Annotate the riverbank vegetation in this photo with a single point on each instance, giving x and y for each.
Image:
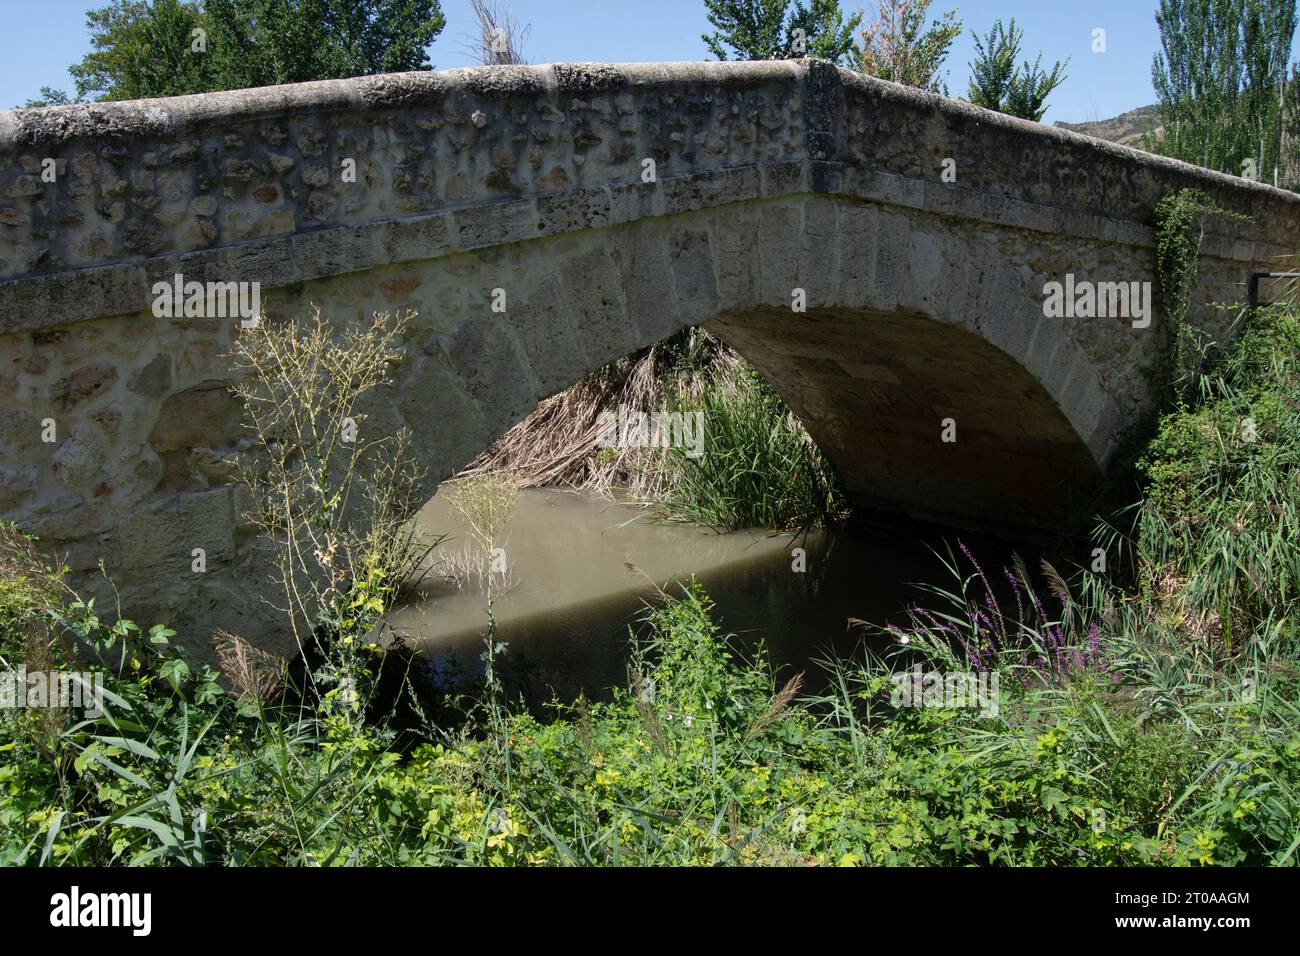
(760, 468)
(755, 465)
(1143, 715)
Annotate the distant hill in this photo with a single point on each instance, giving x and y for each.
(1126, 129)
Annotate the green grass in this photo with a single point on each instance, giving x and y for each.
(1219, 532)
(703, 759)
(759, 467)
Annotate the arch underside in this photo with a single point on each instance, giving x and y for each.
(911, 320)
(874, 392)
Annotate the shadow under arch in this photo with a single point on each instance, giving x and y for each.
(876, 391)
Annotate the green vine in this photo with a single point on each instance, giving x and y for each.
(1180, 226)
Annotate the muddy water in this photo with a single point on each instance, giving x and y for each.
(581, 570)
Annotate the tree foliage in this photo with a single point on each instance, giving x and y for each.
(997, 84)
(780, 30)
(49, 97)
(146, 48)
(141, 49)
(1220, 77)
(896, 47)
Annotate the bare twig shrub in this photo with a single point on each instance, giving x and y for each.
(30, 584)
(500, 37)
(336, 499)
(486, 503)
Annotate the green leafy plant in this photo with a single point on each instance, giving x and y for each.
(1180, 226)
(758, 467)
(336, 500)
(997, 84)
(780, 30)
(895, 46)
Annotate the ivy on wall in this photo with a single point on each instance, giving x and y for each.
(1179, 229)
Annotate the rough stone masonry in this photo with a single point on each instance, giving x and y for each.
(923, 291)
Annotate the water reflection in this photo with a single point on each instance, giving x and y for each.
(581, 570)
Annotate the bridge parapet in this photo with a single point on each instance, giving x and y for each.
(284, 184)
(288, 183)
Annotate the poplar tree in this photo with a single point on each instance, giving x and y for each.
(1220, 76)
(997, 84)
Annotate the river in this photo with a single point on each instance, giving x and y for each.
(580, 569)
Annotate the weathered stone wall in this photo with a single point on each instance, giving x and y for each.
(924, 297)
(203, 182)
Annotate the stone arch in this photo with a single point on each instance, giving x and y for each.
(900, 332)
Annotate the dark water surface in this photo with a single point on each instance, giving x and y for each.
(581, 570)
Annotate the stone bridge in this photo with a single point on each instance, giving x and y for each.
(919, 232)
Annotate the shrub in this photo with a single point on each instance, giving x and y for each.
(759, 467)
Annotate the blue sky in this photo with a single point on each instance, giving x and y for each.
(39, 38)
